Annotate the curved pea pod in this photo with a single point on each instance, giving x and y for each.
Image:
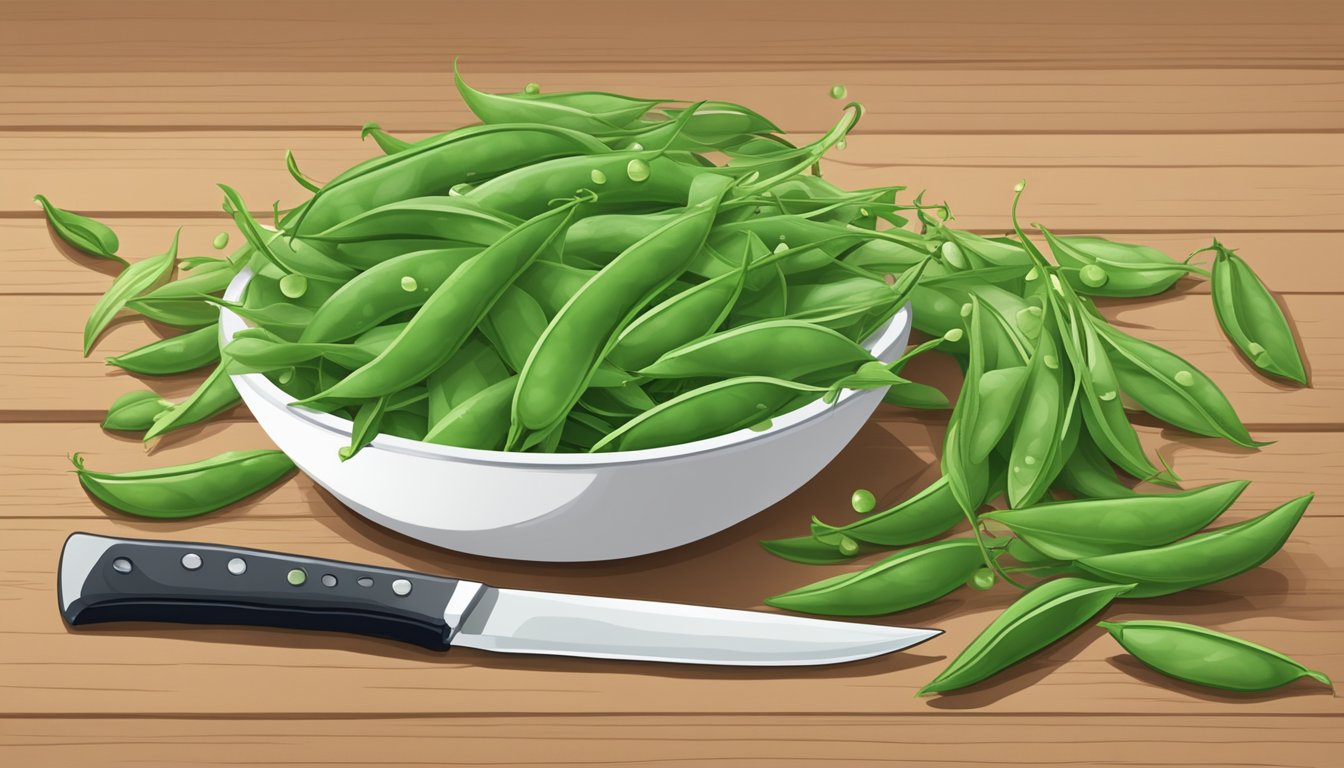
(474, 367)
(714, 409)
(1201, 559)
(214, 395)
(1117, 269)
(1252, 319)
(454, 310)
(175, 354)
(1037, 619)
(366, 425)
(390, 144)
(250, 354)
(553, 284)
(1047, 424)
(787, 349)
(713, 125)
(982, 252)
(1170, 388)
(643, 177)
(897, 583)
(280, 317)
(828, 298)
(133, 281)
(187, 490)
(446, 219)
(1072, 530)
(386, 289)
(134, 411)
(770, 299)
(434, 166)
(480, 421)
(293, 255)
(595, 240)
(810, 550)
(88, 235)
(931, 512)
(885, 256)
(1204, 657)
(588, 111)
(184, 312)
(563, 361)
(1088, 474)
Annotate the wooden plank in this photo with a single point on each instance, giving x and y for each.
(1292, 262)
(1189, 183)
(926, 101)
(1294, 604)
(894, 456)
(523, 36)
(46, 372)
(951, 739)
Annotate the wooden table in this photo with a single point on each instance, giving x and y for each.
(1159, 122)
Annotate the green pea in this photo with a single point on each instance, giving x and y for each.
(88, 235)
(1093, 276)
(838, 91)
(1202, 559)
(1038, 618)
(863, 501)
(811, 550)
(897, 583)
(293, 286)
(532, 89)
(1204, 657)
(982, 579)
(134, 411)
(175, 354)
(221, 241)
(1252, 319)
(187, 490)
(1071, 530)
(952, 255)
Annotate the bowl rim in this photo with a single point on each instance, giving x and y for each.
(882, 344)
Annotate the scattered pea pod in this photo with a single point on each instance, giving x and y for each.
(1251, 317)
(187, 490)
(175, 354)
(88, 235)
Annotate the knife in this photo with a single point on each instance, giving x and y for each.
(105, 579)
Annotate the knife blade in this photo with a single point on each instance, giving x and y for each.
(107, 579)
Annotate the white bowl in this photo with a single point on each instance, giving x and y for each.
(563, 507)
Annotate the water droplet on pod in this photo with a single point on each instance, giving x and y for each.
(1107, 395)
(1185, 378)
(408, 284)
(293, 286)
(637, 170)
(1093, 276)
(532, 89)
(598, 176)
(954, 335)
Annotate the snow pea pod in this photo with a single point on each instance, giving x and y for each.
(447, 219)
(291, 254)
(133, 281)
(595, 240)
(587, 111)
(187, 490)
(214, 395)
(471, 369)
(902, 581)
(434, 166)
(1037, 619)
(514, 325)
(1088, 474)
(786, 349)
(1100, 267)
(364, 427)
(251, 354)
(1204, 657)
(175, 354)
(1046, 422)
(88, 235)
(564, 359)
(931, 512)
(134, 411)
(1168, 387)
(552, 284)
(480, 421)
(454, 310)
(643, 177)
(392, 287)
(180, 312)
(1202, 559)
(1071, 530)
(1252, 319)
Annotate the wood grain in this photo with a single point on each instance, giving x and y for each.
(951, 739)
(897, 101)
(1207, 183)
(252, 35)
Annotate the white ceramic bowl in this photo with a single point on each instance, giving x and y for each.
(563, 507)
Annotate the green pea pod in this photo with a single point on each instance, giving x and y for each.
(906, 579)
(281, 316)
(787, 349)
(254, 355)
(291, 254)
(454, 310)
(404, 424)
(811, 550)
(1252, 319)
(514, 325)
(714, 409)
(931, 512)
(1202, 559)
(480, 421)
(588, 111)
(133, 281)
(384, 290)
(552, 285)
(582, 430)
(445, 219)
(184, 312)
(434, 166)
(292, 166)
(1046, 420)
(596, 240)
(1100, 267)
(585, 329)
(982, 252)
(134, 411)
(1204, 657)
(367, 424)
(473, 368)
(1170, 388)
(1038, 618)
(1088, 474)
(175, 354)
(214, 395)
(912, 394)
(1072, 530)
(210, 277)
(390, 144)
(92, 237)
(629, 177)
(187, 490)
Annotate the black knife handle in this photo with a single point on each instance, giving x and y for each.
(111, 579)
